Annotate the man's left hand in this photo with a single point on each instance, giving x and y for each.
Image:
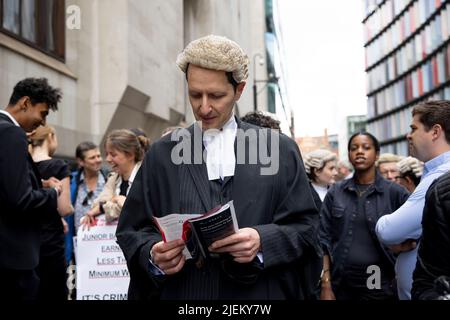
(405, 246)
(52, 182)
(120, 200)
(243, 245)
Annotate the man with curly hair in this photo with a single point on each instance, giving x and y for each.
(23, 200)
(260, 119)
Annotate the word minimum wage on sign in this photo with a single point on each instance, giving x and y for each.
(102, 272)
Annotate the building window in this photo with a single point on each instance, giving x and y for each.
(271, 97)
(38, 23)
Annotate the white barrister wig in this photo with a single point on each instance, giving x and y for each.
(318, 159)
(410, 164)
(216, 53)
(387, 158)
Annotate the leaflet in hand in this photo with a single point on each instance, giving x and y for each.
(199, 231)
(171, 227)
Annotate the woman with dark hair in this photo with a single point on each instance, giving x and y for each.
(356, 266)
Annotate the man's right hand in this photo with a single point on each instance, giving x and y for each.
(168, 256)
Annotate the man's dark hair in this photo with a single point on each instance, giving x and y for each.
(376, 144)
(38, 90)
(83, 147)
(412, 176)
(229, 77)
(262, 120)
(232, 81)
(434, 112)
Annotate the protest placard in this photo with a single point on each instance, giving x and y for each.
(102, 272)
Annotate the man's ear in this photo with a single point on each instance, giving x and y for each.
(409, 180)
(436, 131)
(23, 103)
(239, 89)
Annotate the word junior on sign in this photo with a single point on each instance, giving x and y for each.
(99, 237)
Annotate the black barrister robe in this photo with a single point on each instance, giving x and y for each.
(23, 202)
(280, 207)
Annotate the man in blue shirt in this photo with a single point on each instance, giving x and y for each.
(429, 141)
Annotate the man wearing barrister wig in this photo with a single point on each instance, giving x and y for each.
(278, 221)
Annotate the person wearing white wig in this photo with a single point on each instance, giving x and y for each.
(387, 165)
(320, 166)
(269, 256)
(410, 171)
(345, 170)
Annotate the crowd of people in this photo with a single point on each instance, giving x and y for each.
(373, 227)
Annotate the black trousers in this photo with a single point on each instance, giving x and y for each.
(18, 285)
(53, 277)
(353, 286)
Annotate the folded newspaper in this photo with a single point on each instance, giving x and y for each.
(199, 231)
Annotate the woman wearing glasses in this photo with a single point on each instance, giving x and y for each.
(52, 264)
(125, 150)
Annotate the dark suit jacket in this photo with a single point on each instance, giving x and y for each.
(22, 200)
(280, 207)
(433, 258)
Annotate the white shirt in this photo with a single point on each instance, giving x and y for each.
(220, 162)
(10, 116)
(321, 191)
(220, 155)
